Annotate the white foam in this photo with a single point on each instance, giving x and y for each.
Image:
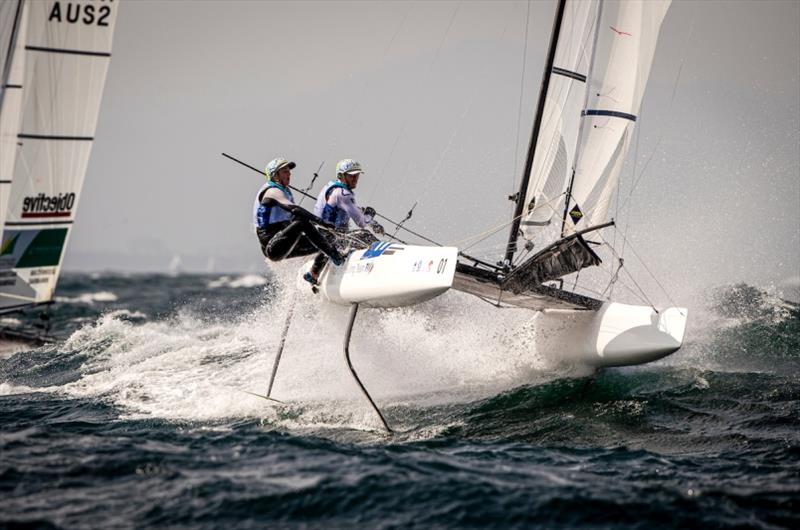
(248, 280)
(447, 350)
(7, 389)
(89, 298)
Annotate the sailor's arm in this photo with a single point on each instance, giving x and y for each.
(274, 197)
(277, 195)
(348, 203)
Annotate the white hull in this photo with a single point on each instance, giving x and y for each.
(394, 275)
(615, 335)
(389, 275)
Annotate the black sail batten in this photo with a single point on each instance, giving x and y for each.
(609, 113)
(68, 51)
(569, 73)
(526, 176)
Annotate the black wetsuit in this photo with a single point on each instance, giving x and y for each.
(294, 239)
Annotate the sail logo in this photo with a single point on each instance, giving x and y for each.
(74, 12)
(48, 206)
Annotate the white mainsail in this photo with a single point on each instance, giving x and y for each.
(558, 136)
(13, 25)
(627, 36)
(67, 53)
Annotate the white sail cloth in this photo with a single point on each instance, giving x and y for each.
(67, 52)
(626, 42)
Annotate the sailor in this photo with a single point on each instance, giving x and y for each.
(336, 204)
(284, 229)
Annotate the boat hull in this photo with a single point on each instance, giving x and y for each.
(615, 335)
(389, 275)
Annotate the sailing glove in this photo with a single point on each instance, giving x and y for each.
(377, 228)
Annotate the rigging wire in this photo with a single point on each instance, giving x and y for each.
(491, 231)
(422, 84)
(668, 113)
(434, 175)
(361, 99)
(638, 178)
(521, 92)
(614, 252)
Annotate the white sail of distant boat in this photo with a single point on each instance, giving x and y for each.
(67, 50)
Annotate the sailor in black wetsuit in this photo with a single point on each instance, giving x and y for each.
(284, 229)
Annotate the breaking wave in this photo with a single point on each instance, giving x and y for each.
(200, 362)
(746, 328)
(246, 281)
(88, 298)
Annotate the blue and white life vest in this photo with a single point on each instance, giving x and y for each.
(328, 213)
(266, 215)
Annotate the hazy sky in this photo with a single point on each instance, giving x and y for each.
(427, 96)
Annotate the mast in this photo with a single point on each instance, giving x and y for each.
(10, 54)
(526, 176)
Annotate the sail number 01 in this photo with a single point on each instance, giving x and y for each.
(442, 266)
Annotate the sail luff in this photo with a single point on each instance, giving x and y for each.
(521, 195)
(557, 140)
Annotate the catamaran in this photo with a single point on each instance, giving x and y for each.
(596, 70)
(595, 74)
(54, 57)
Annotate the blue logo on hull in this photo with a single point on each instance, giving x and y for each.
(379, 248)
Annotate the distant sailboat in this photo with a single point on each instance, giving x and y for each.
(55, 59)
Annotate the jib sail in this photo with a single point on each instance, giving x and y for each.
(67, 53)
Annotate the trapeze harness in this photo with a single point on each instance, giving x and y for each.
(264, 215)
(335, 215)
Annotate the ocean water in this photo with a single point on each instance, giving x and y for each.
(140, 415)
